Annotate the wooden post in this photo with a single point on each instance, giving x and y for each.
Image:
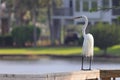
(109, 74)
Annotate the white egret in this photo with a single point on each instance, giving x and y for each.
(88, 43)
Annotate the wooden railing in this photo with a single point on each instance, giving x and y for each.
(78, 75)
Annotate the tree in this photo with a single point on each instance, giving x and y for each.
(20, 8)
(24, 34)
(105, 35)
(4, 18)
(53, 30)
(115, 8)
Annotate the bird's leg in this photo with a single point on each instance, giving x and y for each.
(82, 62)
(90, 63)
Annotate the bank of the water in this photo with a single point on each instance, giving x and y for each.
(61, 57)
(60, 51)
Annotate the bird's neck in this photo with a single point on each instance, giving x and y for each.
(85, 26)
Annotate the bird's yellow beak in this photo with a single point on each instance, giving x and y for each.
(77, 17)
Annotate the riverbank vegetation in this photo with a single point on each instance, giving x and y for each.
(60, 51)
(105, 36)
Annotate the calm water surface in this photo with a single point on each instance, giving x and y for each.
(47, 65)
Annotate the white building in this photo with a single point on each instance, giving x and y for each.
(73, 8)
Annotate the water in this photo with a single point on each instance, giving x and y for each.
(48, 65)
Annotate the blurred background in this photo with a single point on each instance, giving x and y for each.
(42, 32)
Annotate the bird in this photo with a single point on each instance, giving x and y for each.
(88, 43)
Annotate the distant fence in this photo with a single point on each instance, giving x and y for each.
(79, 75)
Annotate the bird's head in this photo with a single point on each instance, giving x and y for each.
(77, 17)
(85, 19)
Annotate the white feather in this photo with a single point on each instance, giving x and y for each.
(88, 46)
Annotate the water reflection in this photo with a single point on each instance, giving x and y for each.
(47, 65)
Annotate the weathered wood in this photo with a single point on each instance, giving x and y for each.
(109, 73)
(92, 79)
(106, 78)
(82, 75)
(79, 75)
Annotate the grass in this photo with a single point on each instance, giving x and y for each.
(41, 50)
(115, 50)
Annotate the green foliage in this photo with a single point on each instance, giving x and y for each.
(6, 41)
(23, 34)
(118, 18)
(105, 35)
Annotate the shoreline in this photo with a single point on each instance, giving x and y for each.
(62, 57)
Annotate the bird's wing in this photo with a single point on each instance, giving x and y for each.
(88, 45)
